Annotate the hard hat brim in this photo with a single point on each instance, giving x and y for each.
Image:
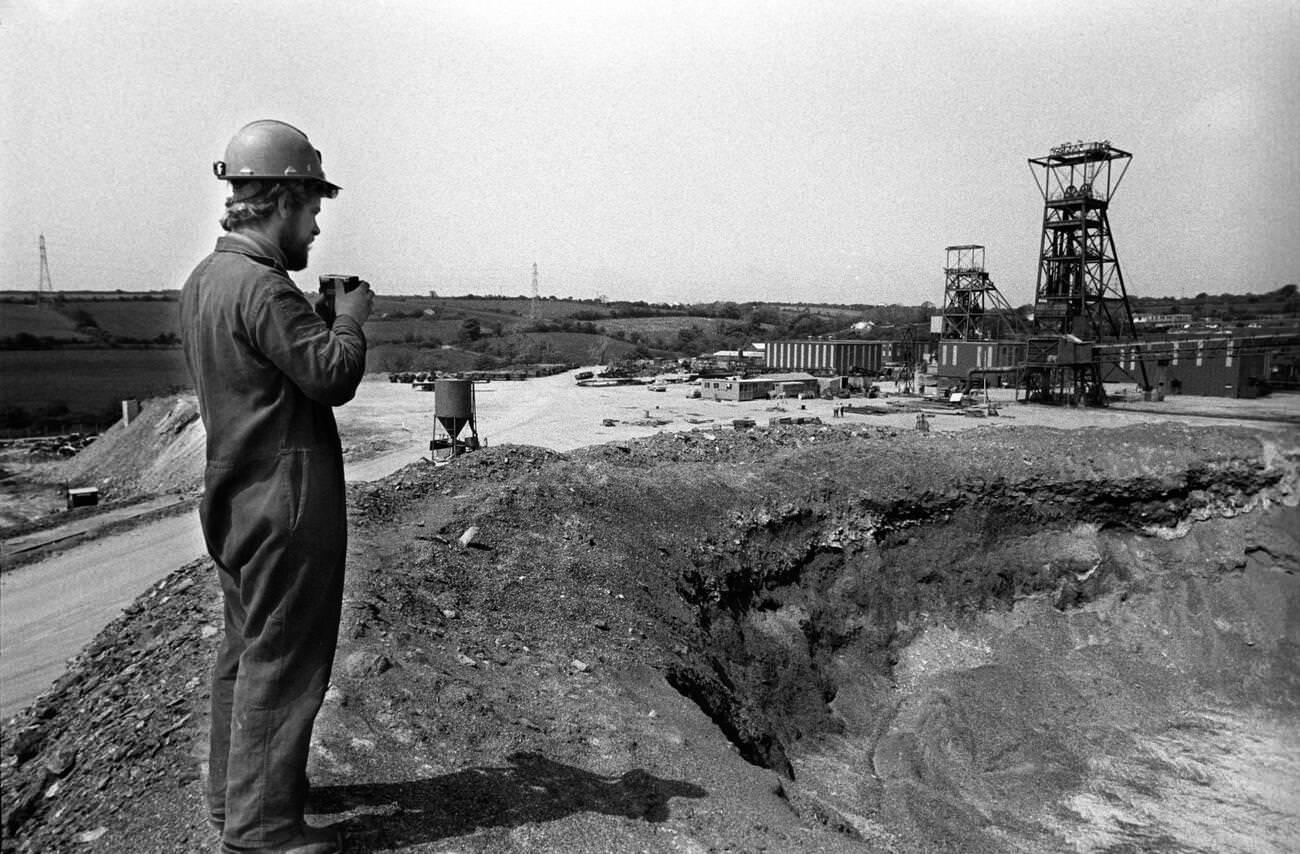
(238, 183)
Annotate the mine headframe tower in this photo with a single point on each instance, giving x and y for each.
(973, 307)
(1080, 294)
(1080, 289)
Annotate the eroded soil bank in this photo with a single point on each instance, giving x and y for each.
(798, 639)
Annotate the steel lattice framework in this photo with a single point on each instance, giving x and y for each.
(44, 286)
(973, 307)
(1080, 289)
(532, 304)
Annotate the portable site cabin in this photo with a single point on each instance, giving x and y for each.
(758, 388)
(81, 496)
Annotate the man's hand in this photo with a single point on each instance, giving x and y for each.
(355, 303)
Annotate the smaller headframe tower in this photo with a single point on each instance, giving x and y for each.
(973, 307)
(1080, 289)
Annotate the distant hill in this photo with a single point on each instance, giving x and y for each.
(120, 344)
(432, 332)
(1230, 307)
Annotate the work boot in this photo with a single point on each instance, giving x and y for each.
(310, 840)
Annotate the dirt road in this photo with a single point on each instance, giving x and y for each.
(50, 609)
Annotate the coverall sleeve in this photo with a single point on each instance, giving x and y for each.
(327, 364)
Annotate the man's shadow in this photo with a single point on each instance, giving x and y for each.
(530, 789)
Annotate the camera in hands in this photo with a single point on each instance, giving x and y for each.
(329, 286)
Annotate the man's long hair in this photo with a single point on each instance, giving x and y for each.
(253, 201)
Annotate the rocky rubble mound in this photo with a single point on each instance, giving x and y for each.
(799, 638)
(160, 450)
(120, 724)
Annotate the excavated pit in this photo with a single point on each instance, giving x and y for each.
(1003, 663)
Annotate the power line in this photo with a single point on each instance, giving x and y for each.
(44, 286)
(532, 306)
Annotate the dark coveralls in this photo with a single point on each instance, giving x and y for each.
(268, 371)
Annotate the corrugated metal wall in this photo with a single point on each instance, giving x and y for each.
(827, 357)
(1206, 366)
(957, 358)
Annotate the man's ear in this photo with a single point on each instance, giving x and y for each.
(284, 206)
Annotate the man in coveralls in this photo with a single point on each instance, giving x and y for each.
(268, 370)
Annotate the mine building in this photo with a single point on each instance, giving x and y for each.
(831, 357)
(1154, 322)
(1211, 365)
(790, 385)
(957, 362)
(729, 361)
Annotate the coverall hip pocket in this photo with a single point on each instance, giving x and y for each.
(295, 473)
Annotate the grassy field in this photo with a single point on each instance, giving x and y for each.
(404, 333)
(410, 330)
(531, 347)
(657, 327)
(141, 320)
(87, 381)
(42, 322)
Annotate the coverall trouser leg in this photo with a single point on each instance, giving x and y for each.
(283, 589)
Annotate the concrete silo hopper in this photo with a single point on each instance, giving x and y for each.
(453, 411)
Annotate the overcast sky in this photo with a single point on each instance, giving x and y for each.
(663, 151)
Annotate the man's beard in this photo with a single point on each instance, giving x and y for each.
(295, 253)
